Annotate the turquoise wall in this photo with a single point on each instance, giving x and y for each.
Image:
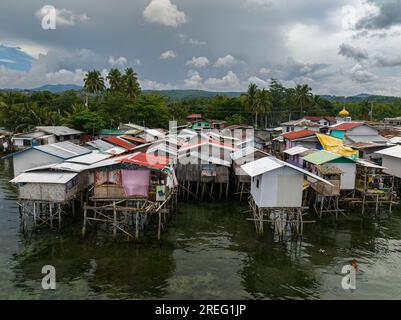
(337, 134)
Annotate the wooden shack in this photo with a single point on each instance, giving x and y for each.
(203, 169)
(345, 164)
(140, 184)
(242, 181)
(276, 192)
(374, 187)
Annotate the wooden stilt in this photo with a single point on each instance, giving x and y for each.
(114, 220)
(84, 223)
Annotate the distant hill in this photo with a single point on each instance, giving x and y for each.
(183, 94)
(57, 88)
(361, 97)
(187, 94)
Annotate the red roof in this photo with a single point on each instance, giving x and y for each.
(344, 126)
(133, 139)
(298, 134)
(147, 160)
(194, 116)
(120, 142)
(317, 118)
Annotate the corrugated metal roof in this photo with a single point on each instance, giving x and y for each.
(63, 150)
(115, 151)
(206, 158)
(59, 130)
(44, 177)
(120, 142)
(163, 147)
(154, 132)
(271, 163)
(135, 140)
(245, 152)
(109, 162)
(298, 134)
(392, 152)
(369, 164)
(64, 166)
(321, 157)
(296, 150)
(147, 160)
(90, 158)
(366, 138)
(100, 144)
(344, 126)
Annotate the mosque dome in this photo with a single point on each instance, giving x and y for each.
(343, 113)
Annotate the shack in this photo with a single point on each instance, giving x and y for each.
(391, 160)
(139, 184)
(242, 181)
(43, 155)
(203, 169)
(345, 164)
(276, 191)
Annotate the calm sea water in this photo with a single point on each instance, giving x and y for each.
(210, 251)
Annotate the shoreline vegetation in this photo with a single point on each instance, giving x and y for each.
(105, 102)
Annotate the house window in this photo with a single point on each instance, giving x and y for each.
(257, 183)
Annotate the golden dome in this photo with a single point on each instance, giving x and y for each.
(343, 113)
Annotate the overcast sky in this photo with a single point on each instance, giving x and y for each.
(341, 47)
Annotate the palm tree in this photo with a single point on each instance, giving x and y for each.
(93, 83)
(115, 80)
(251, 101)
(303, 96)
(131, 85)
(264, 103)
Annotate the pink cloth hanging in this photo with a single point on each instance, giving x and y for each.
(135, 182)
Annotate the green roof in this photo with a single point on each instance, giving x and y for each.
(112, 132)
(322, 156)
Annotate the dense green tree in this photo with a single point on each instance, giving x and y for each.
(303, 97)
(251, 102)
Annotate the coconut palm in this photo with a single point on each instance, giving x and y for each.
(264, 103)
(251, 101)
(303, 96)
(115, 80)
(93, 83)
(131, 85)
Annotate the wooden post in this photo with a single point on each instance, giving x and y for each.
(34, 214)
(114, 220)
(159, 227)
(220, 190)
(137, 226)
(227, 187)
(211, 191)
(203, 190)
(51, 215)
(242, 190)
(84, 223)
(59, 216)
(197, 188)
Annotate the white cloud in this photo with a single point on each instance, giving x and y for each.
(154, 85)
(120, 62)
(259, 82)
(264, 71)
(169, 54)
(359, 74)
(64, 17)
(227, 83)
(165, 13)
(198, 62)
(226, 61)
(194, 80)
(185, 39)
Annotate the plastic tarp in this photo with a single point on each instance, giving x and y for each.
(135, 182)
(335, 145)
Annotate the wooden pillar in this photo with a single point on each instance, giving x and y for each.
(34, 214)
(59, 216)
(114, 220)
(137, 226)
(227, 187)
(220, 190)
(51, 215)
(84, 223)
(197, 188)
(242, 190)
(211, 191)
(159, 227)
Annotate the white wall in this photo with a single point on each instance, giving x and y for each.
(278, 188)
(32, 158)
(393, 165)
(348, 176)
